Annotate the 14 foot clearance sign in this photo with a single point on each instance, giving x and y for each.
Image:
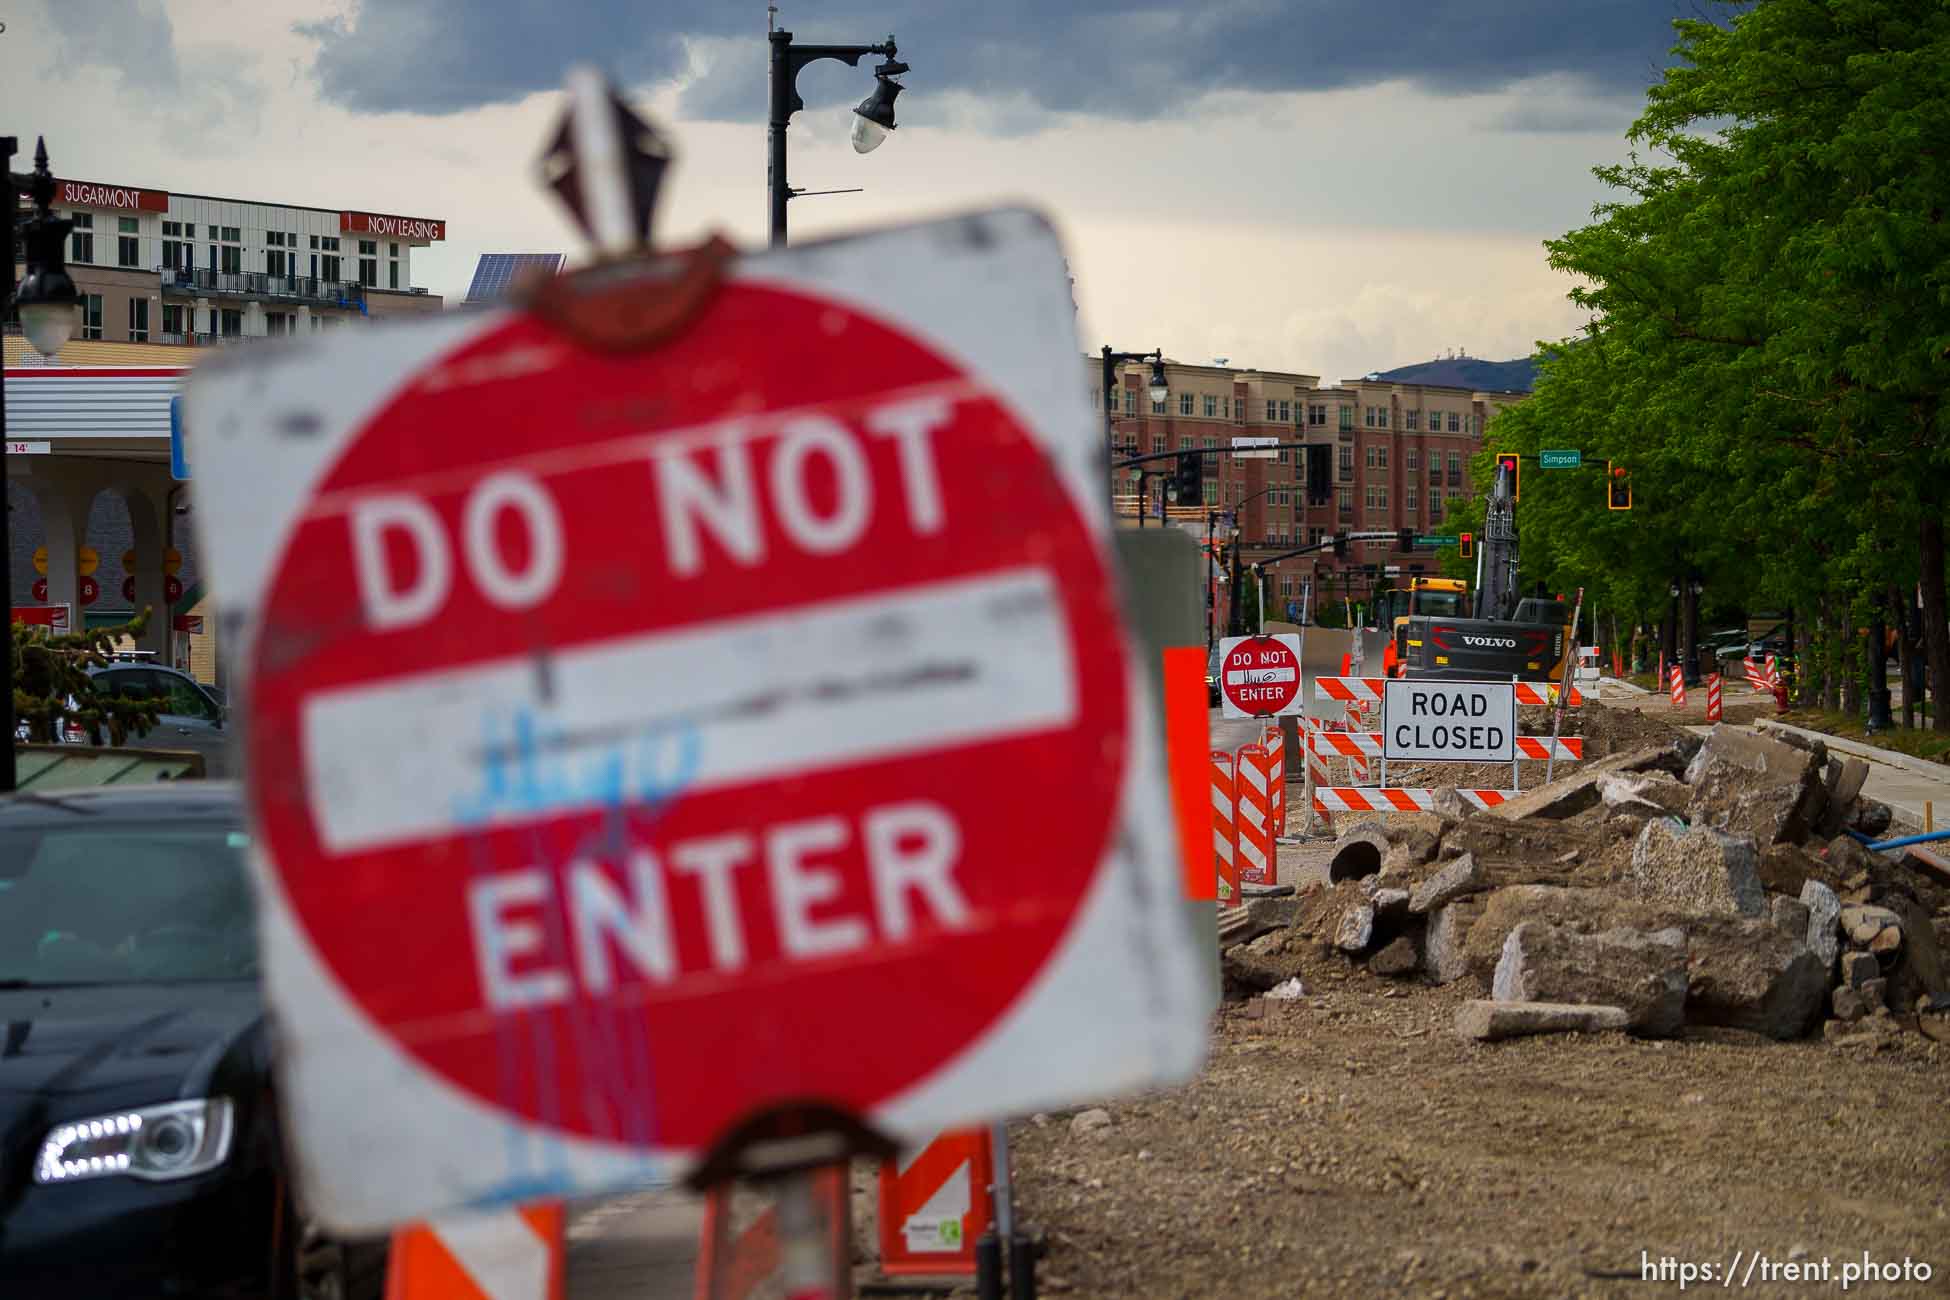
(1455, 722)
(640, 741)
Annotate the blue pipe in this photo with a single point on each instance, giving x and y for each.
(1904, 842)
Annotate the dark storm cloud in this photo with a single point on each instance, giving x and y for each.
(1116, 59)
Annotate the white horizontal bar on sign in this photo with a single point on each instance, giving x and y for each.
(1257, 676)
(646, 718)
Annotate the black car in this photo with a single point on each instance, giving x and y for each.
(139, 1144)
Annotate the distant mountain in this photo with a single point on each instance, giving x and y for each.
(1468, 372)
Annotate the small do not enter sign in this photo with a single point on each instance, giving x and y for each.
(1259, 676)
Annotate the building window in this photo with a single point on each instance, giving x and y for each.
(128, 245)
(1225, 407)
(1367, 417)
(368, 248)
(1317, 414)
(392, 277)
(329, 269)
(91, 315)
(1184, 403)
(1411, 420)
(1347, 501)
(369, 275)
(1412, 457)
(1455, 462)
(1381, 417)
(1347, 459)
(173, 319)
(1286, 412)
(1157, 442)
(1210, 406)
(1409, 499)
(1347, 419)
(233, 260)
(274, 323)
(1435, 504)
(274, 263)
(81, 241)
(1381, 454)
(233, 235)
(138, 320)
(175, 256)
(173, 228)
(1371, 451)
(1130, 402)
(1455, 425)
(233, 323)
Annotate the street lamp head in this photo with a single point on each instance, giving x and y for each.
(874, 117)
(46, 298)
(1160, 389)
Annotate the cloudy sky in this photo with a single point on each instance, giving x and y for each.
(1328, 186)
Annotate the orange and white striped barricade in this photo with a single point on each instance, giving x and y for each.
(1253, 817)
(1713, 697)
(1546, 693)
(935, 1204)
(501, 1255)
(742, 1263)
(1274, 743)
(1777, 684)
(1677, 677)
(1389, 798)
(1317, 774)
(1225, 827)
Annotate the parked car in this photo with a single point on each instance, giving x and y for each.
(139, 1139)
(189, 717)
(1212, 680)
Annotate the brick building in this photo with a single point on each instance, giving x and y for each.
(153, 266)
(1399, 455)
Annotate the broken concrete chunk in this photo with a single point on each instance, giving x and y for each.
(1846, 1003)
(1863, 922)
(1462, 876)
(1789, 915)
(1921, 973)
(1756, 785)
(1554, 802)
(1871, 816)
(1585, 910)
(1443, 955)
(1824, 910)
(1356, 930)
(1397, 958)
(1886, 943)
(1875, 994)
(1858, 968)
(1643, 973)
(1487, 1021)
(1390, 902)
(1091, 1121)
(1745, 974)
(1844, 786)
(1698, 870)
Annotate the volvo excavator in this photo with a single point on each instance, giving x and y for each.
(1511, 635)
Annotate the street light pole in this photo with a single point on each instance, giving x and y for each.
(875, 114)
(1160, 390)
(46, 300)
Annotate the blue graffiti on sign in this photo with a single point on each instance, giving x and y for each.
(529, 768)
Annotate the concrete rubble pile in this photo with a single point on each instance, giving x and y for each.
(1696, 882)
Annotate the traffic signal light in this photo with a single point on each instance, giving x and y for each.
(1188, 479)
(1340, 546)
(1466, 545)
(1512, 462)
(1404, 540)
(1619, 487)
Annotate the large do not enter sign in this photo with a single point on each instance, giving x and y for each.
(1259, 676)
(686, 715)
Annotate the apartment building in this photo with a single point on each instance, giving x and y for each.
(1398, 452)
(156, 266)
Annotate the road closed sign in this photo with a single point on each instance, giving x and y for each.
(640, 740)
(1259, 676)
(1449, 722)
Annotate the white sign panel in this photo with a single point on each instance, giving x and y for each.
(1243, 443)
(1449, 722)
(29, 448)
(685, 721)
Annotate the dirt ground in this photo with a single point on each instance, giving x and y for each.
(1349, 1144)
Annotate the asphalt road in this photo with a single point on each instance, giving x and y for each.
(634, 1246)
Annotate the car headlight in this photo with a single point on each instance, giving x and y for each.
(154, 1142)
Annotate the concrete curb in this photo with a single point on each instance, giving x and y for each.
(1840, 744)
(1622, 685)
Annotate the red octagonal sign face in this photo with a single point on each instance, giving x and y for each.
(1260, 675)
(700, 731)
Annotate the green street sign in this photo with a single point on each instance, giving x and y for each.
(1423, 541)
(1567, 458)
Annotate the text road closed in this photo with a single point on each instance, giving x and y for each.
(1457, 722)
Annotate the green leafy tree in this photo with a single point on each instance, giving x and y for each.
(52, 689)
(1769, 348)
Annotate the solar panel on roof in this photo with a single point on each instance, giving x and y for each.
(496, 272)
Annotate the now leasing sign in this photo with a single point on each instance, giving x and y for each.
(641, 741)
(1449, 722)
